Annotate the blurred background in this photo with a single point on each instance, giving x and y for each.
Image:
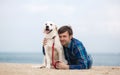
(95, 23)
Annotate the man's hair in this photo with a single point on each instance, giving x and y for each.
(64, 29)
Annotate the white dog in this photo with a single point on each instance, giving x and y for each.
(52, 36)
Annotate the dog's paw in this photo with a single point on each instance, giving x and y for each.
(42, 67)
(48, 67)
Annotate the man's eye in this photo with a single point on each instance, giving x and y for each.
(64, 36)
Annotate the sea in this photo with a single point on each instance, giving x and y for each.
(99, 59)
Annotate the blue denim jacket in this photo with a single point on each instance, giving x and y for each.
(76, 55)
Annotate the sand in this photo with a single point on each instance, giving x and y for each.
(27, 69)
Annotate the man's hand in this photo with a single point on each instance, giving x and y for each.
(44, 41)
(62, 65)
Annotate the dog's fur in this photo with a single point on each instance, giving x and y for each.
(51, 35)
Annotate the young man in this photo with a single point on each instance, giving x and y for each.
(75, 52)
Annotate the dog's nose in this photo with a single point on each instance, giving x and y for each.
(47, 27)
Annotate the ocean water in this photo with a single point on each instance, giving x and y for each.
(106, 59)
(37, 58)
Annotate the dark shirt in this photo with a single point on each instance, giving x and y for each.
(76, 55)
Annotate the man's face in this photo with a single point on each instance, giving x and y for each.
(65, 38)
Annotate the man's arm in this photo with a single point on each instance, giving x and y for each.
(81, 57)
(80, 62)
(79, 66)
(62, 65)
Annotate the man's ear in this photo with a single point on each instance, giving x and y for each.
(71, 36)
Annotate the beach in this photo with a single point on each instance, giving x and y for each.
(28, 69)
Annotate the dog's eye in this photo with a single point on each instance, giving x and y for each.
(46, 24)
(51, 24)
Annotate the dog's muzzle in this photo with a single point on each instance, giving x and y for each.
(47, 29)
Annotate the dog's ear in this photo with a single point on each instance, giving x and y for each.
(56, 28)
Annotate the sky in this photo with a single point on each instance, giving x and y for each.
(96, 23)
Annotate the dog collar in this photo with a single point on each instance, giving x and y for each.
(51, 38)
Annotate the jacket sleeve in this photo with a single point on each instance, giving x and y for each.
(78, 66)
(43, 49)
(81, 57)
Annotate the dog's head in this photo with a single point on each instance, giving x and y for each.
(50, 27)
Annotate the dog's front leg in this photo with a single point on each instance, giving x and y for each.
(47, 57)
(44, 62)
(48, 61)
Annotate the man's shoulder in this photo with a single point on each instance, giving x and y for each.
(76, 40)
